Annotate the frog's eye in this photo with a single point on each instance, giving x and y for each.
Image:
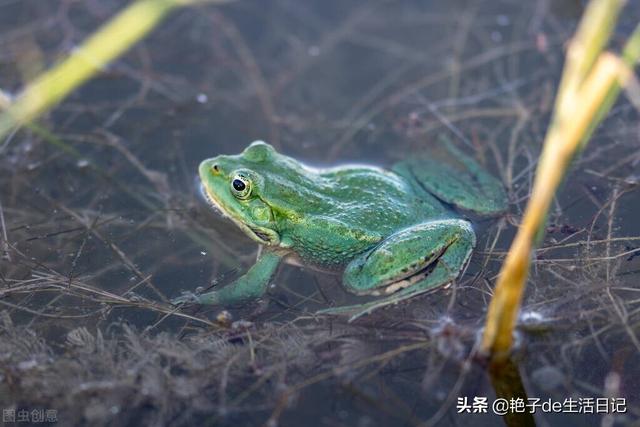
(241, 186)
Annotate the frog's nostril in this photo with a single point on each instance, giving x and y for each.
(215, 168)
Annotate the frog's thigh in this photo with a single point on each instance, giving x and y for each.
(437, 249)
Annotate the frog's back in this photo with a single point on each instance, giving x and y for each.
(361, 206)
(380, 199)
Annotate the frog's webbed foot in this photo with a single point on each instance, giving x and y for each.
(188, 297)
(354, 311)
(431, 284)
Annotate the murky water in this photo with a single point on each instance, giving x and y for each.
(102, 221)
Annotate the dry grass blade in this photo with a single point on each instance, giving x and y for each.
(106, 44)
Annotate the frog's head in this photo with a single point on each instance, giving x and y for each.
(235, 185)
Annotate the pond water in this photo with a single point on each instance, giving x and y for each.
(101, 220)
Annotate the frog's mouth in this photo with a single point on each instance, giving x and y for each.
(262, 235)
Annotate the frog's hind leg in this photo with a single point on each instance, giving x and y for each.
(456, 179)
(431, 283)
(411, 262)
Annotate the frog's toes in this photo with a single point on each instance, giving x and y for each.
(352, 311)
(187, 297)
(334, 311)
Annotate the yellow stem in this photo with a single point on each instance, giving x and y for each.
(561, 143)
(93, 55)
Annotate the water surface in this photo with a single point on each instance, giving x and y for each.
(102, 220)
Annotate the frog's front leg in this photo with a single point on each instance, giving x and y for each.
(253, 284)
(410, 262)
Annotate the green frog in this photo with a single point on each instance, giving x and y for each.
(392, 233)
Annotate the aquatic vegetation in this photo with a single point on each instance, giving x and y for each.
(590, 84)
(101, 221)
(85, 61)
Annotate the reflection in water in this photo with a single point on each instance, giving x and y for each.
(506, 381)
